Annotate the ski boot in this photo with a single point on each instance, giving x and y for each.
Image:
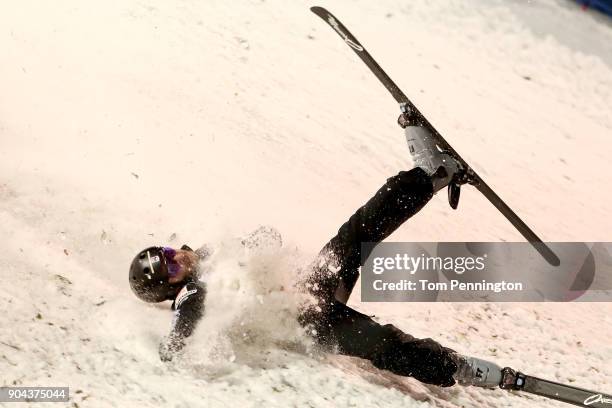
(439, 164)
(477, 372)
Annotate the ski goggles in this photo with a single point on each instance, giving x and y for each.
(173, 266)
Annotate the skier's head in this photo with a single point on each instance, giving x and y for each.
(156, 273)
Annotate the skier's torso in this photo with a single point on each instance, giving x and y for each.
(188, 305)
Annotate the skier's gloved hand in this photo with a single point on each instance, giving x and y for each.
(169, 347)
(164, 352)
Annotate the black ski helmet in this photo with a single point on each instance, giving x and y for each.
(149, 277)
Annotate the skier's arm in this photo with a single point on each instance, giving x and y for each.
(189, 309)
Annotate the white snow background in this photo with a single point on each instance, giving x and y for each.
(130, 123)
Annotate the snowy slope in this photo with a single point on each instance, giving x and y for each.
(123, 123)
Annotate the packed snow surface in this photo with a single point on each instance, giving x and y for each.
(130, 123)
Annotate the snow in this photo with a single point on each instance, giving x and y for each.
(129, 123)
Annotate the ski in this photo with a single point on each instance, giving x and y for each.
(517, 381)
(407, 106)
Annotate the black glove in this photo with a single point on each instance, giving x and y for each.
(169, 347)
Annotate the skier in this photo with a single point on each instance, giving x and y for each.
(161, 273)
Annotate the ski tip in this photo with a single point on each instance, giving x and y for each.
(318, 10)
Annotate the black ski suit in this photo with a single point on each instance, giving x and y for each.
(331, 281)
(335, 274)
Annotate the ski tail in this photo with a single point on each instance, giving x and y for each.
(516, 221)
(518, 381)
(407, 106)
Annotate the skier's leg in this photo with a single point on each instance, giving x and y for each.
(386, 346)
(337, 268)
(355, 334)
